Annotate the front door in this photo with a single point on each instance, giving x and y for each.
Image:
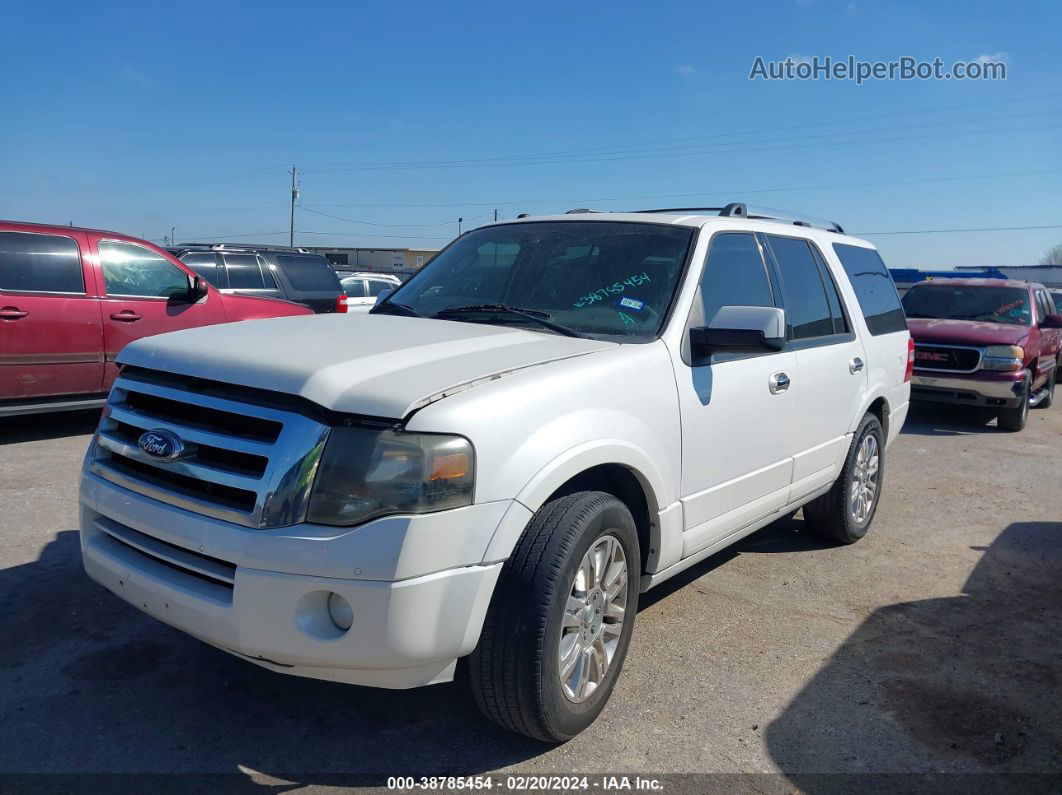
(738, 411)
(51, 339)
(139, 285)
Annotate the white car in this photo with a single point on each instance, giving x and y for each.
(362, 289)
(553, 416)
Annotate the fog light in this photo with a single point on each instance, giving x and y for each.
(340, 611)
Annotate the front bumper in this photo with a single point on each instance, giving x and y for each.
(995, 390)
(214, 580)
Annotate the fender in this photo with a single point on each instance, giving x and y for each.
(875, 392)
(566, 466)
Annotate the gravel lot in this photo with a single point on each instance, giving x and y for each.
(934, 645)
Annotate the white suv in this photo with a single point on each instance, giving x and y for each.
(553, 416)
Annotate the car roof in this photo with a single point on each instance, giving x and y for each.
(699, 218)
(65, 228)
(973, 282)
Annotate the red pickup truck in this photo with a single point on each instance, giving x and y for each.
(70, 300)
(985, 342)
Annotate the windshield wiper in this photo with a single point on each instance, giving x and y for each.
(403, 309)
(542, 318)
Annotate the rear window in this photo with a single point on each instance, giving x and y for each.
(309, 274)
(40, 263)
(873, 287)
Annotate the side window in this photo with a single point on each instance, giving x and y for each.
(807, 310)
(244, 271)
(377, 286)
(129, 269)
(354, 288)
(204, 264)
(1042, 304)
(873, 287)
(840, 324)
(40, 263)
(734, 275)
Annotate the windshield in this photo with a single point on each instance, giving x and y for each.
(594, 278)
(990, 304)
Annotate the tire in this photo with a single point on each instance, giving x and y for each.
(1050, 387)
(832, 517)
(515, 670)
(1014, 419)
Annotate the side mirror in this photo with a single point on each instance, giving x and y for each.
(382, 295)
(741, 329)
(197, 288)
(1051, 321)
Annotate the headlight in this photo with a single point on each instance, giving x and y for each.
(1003, 357)
(366, 473)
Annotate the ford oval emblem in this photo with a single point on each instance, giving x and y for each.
(161, 444)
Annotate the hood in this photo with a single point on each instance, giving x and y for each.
(965, 332)
(376, 365)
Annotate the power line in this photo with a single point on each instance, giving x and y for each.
(948, 231)
(720, 192)
(785, 128)
(373, 223)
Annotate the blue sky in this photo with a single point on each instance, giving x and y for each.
(142, 116)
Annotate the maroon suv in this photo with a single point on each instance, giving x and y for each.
(985, 342)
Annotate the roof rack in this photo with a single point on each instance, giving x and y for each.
(741, 210)
(240, 247)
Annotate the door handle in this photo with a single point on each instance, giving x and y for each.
(12, 313)
(855, 365)
(778, 383)
(126, 316)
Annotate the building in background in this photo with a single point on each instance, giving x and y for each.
(403, 261)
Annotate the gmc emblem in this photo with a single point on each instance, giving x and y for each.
(930, 356)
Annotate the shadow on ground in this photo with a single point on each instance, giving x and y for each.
(36, 427)
(971, 683)
(942, 419)
(88, 683)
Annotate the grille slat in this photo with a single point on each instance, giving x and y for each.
(247, 463)
(947, 358)
(218, 570)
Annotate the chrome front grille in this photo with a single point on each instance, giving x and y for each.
(947, 358)
(243, 461)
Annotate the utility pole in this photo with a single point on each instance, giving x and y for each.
(495, 215)
(294, 196)
(459, 220)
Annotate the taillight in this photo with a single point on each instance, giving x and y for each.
(910, 359)
(341, 303)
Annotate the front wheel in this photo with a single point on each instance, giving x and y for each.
(1014, 419)
(561, 619)
(844, 513)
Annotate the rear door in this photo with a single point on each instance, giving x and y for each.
(830, 361)
(312, 280)
(139, 286)
(357, 293)
(51, 337)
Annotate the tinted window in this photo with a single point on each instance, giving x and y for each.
(309, 273)
(601, 277)
(204, 264)
(734, 275)
(377, 286)
(129, 269)
(244, 272)
(840, 325)
(40, 263)
(807, 312)
(941, 300)
(873, 287)
(354, 288)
